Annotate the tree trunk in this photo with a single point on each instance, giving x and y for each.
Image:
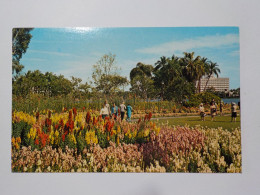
(207, 82)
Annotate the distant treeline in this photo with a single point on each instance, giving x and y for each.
(171, 78)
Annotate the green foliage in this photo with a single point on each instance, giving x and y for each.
(81, 144)
(205, 97)
(20, 128)
(194, 121)
(102, 138)
(106, 77)
(211, 69)
(192, 67)
(170, 81)
(20, 41)
(47, 84)
(193, 166)
(68, 142)
(141, 80)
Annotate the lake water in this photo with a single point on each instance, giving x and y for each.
(229, 100)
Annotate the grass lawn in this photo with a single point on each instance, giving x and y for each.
(220, 121)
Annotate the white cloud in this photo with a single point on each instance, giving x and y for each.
(52, 53)
(81, 69)
(81, 29)
(36, 59)
(187, 44)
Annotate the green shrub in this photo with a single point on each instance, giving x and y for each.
(205, 97)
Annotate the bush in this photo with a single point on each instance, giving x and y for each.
(205, 97)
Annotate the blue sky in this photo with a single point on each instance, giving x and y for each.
(73, 51)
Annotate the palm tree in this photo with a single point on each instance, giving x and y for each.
(193, 67)
(160, 63)
(166, 71)
(203, 71)
(212, 69)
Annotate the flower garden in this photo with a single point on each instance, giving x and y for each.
(73, 141)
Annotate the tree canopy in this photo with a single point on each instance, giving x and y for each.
(20, 42)
(106, 77)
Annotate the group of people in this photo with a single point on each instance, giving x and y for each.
(213, 110)
(115, 111)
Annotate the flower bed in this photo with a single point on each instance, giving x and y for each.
(84, 142)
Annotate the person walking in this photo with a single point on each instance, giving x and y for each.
(202, 112)
(129, 110)
(221, 108)
(122, 110)
(104, 111)
(108, 107)
(114, 111)
(233, 112)
(213, 110)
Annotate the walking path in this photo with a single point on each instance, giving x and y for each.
(171, 117)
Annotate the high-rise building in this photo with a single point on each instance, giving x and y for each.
(219, 84)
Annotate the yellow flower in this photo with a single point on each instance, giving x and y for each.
(13, 140)
(118, 129)
(91, 138)
(146, 132)
(18, 139)
(117, 140)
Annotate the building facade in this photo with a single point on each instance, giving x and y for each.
(219, 84)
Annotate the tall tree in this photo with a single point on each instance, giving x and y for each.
(212, 69)
(106, 77)
(20, 41)
(160, 80)
(192, 66)
(203, 72)
(141, 80)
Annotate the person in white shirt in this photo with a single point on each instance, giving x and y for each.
(202, 112)
(122, 110)
(108, 107)
(104, 111)
(234, 112)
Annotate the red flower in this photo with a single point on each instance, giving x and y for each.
(94, 120)
(49, 114)
(139, 120)
(108, 126)
(44, 138)
(63, 137)
(70, 115)
(36, 142)
(145, 117)
(88, 118)
(69, 126)
(74, 112)
(149, 116)
(61, 123)
(48, 123)
(57, 126)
